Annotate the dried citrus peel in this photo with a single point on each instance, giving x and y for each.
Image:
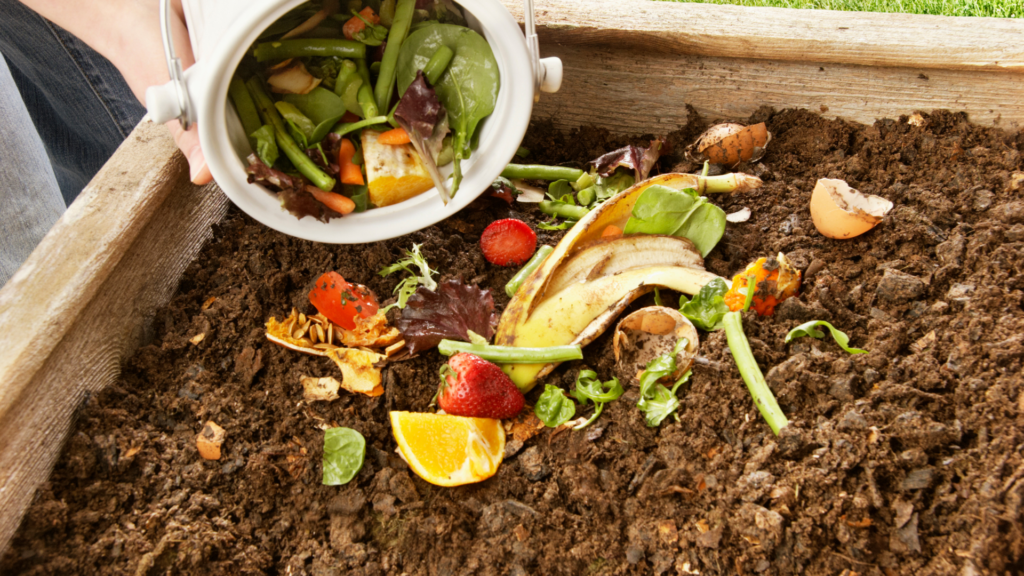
(775, 279)
(360, 370)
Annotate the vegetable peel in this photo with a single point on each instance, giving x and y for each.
(774, 280)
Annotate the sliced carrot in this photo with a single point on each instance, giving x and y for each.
(355, 25)
(611, 231)
(332, 200)
(350, 172)
(394, 137)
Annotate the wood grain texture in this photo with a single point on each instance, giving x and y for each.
(632, 66)
(631, 92)
(82, 300)
(864, 38)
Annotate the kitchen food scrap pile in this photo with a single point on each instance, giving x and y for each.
(904, 459)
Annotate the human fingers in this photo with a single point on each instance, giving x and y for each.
(188, 143)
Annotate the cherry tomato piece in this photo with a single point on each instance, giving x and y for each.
(342, 301)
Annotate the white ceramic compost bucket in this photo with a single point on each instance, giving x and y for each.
(222, 32)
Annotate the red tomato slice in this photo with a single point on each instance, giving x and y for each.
(342, 301)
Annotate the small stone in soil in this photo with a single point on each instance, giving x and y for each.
(852, 421)
(897, 287)
(532, 464)
(919, 479)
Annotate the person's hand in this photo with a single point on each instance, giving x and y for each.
(127, 32)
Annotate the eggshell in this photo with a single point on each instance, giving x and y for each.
(209, 440)
(731, 143)
(840, 212)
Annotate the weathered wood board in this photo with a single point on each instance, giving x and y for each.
(78, 307)
(81, 303)
(634, 66)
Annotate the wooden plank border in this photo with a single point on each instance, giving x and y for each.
(79, 305)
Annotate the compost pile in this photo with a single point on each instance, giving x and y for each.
(907, 459)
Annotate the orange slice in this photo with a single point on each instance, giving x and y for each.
(449, 450)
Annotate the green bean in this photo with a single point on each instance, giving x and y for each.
(513, 354)
(343, 129)
(366, 103)
(346, 74)
(438, 64)
(297, 48)
(537, 172)
(538, 258)
(245, 107)
(388, 67)
(284, 140)
(563, 210)
(587, 196)
(347, 86)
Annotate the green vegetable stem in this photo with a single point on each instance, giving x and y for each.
(344, 452)
(343, 129)
(437, 64)
(404, 10)
(553, 408)
(364, 96)
(245, 108)
(347, 85)
(751, 373)
(512, 354)
(284, 141)
(538, 172)
(589, 387)
(301, 47)
(563, 210)
(538, 258)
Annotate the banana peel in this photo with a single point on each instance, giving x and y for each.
(581, 312)
(567, 300)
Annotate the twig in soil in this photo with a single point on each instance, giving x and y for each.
(848, 559)
(676, 490)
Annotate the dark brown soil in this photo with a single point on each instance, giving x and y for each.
(907, 460)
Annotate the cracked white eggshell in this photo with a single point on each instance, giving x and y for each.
(841, 212)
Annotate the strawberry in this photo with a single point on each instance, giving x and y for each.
(508, 242)
(472, 386)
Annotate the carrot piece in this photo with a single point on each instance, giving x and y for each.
(350, 172)
(611, 231)
(394, 137)
(355, 25)
(332, 200)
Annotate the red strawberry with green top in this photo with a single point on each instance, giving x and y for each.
(508, 242)
(472, 386)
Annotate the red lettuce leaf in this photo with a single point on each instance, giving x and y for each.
(291, 190)
(449, 312)
(423, 117)
(641, 160)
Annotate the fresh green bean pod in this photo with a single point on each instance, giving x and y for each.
(343, 129)
(586, 196)
(298, 157)
(389, 64)
(301, 47)
(562, 210)
(245, 108)
(538, 258)
(437, 64)
(538, 172)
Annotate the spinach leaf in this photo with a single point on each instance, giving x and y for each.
(300, 127)
(320, 106)
(589, 387)
(468, 89)
(266, 144)
(808, 329)
(553, 408)
(344, 450)
(662, 210)
(707, 309)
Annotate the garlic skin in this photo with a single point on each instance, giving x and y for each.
(841, 212)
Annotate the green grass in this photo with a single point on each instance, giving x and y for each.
(992, 8)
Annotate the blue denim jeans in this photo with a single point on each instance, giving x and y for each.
(68, 113)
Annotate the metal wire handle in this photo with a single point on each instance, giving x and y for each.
(174, 66)
(533, 47)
